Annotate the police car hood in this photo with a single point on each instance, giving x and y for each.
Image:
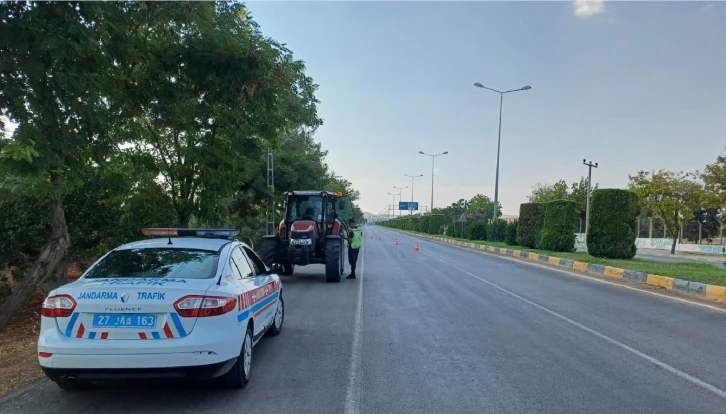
(145, 304)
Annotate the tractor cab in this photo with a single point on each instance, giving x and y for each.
(314, 230)
(327, 212)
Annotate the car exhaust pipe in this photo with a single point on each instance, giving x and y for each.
(72, 380)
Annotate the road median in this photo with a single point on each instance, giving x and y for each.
(672, 284)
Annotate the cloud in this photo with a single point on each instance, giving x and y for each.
(588, 7)
(708, 6)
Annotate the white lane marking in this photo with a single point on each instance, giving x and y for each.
(588, 277)
(352, 393)
(693, 380)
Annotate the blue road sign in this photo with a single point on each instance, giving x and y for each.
(408, 205)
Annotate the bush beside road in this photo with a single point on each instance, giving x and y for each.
(691, 271)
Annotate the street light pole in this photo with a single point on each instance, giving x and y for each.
(590, 166)
(433, 157)
(400, 190)
(499, 139)
(393, 206)
(412, 179)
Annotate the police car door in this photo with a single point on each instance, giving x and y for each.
(249, 290)
(267, 286)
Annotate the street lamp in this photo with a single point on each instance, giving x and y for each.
(393, 206)
(433, 157)
(400, 189)
(412, 178)
(499, 138)
(590, 165)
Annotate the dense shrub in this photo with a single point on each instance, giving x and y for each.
(478, 230)
(450, 230)
(435, 223)
(423, 223)
(460, 231)
(613, 226)
(497, 230)
(510, 235)
(415, 223)
(557, 234)
(530, 224)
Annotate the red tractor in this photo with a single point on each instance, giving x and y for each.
(314, 230)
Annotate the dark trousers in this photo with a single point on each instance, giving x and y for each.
(352, 258)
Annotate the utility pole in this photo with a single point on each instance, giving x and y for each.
(271, 188)
(590, 166)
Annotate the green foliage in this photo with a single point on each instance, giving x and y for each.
(415, 223)
(149, 115)
(478, 230)
(510, 235)
(671, 197)
(435, 223)
(531, 217)
(557, 234)
(613, 225)
(424, 222)
(479, 206)
(497, 230)
(577, 192)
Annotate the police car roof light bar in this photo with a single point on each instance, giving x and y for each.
(207, 233)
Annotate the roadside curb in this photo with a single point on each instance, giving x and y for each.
(671, 284)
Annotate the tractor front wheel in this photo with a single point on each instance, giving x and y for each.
(333, 257)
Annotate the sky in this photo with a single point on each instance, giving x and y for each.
(631, 86)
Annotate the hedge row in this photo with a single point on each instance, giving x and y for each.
(613, 228)
(430, 223)
(549, 226)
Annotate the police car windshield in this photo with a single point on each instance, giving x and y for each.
(156, 263)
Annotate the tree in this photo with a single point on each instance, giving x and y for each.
(216, 94)
(714, 176)
(578, 194)
(482, 206)
(544, 193)
(671, 197)
(57, 82)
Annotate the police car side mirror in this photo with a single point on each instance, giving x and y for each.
(276, 268)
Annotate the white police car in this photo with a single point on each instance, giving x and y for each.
(187, 303)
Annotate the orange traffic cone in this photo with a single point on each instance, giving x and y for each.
(396, 242)
(415, 248)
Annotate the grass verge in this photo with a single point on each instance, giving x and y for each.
(694, 271)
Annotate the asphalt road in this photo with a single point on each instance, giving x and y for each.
(446, 330)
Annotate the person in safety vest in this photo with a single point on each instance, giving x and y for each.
(355, 241)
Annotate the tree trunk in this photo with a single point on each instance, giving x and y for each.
(675, 234)
(51, 257)
(183, 219)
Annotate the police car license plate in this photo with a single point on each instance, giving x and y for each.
(124, 321)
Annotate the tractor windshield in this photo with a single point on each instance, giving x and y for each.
(305, 208)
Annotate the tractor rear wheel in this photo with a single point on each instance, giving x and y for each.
(268, 250)
(333, 257)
